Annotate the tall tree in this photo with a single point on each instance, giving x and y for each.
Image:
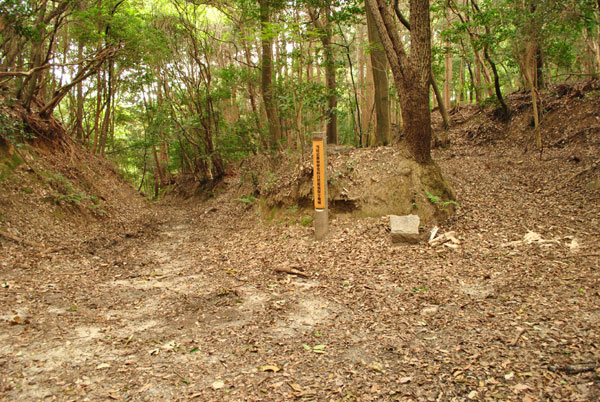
(434, 85)
(267, 87)
(380, 80)
(411, 72)
(323, 24)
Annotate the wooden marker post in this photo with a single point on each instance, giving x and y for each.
(321, 220)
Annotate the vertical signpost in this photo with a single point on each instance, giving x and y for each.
(321, 220)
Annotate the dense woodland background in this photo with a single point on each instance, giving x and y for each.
(219, 291)
(167, 87)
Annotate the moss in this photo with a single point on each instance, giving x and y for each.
(8, 164)
(306, 220)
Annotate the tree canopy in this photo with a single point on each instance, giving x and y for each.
(168, 87)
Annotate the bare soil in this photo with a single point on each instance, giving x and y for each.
(186, 300)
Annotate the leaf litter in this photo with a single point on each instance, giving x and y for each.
(224, 306)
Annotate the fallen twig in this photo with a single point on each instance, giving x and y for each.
(517, 337)
(580, 255)
(20, 240)
(576, 368)
(291, 271)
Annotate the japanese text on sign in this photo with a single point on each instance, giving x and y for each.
(319, 173)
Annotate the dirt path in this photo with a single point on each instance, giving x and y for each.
(193, 309)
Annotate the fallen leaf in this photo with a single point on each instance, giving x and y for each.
(521, 387)
(319, 348)
(375, 366)
(404, 380)
(16, 320)
(270, 367)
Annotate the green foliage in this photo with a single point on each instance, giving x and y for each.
(13, 131)
(247, 200)
(64, 192)
(19, 15)
(8, 166)
(306, 221)
(436, 200)
(420, 289)
(239, 140)
(184, 72)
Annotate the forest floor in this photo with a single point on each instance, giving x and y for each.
(192, 304)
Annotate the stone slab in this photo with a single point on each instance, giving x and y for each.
(405, 229)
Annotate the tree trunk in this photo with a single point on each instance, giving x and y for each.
(416, 117)
(368, 119)
(412, 74)
(267, 76)
(477, 81)
(107, 113)
(31, 82)
(380, 81)
(362, 86)
(436, 90)
(332, 134)
(79, 112)
(448, 78)
(541, 82)
(461, 83)
(252, 90)
(99, 93)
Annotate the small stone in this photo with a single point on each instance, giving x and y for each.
(532, 237)
(102, 366)
(405, 229)
(218, 384)
(430, 310)
(574, 246)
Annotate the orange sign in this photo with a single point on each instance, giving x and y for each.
(319, 173)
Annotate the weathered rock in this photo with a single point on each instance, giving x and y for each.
(430, 310)
(405, 229)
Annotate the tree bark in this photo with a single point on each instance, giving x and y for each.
(108, 111)
(380, 81)
(436, 90)
(412, 74)
(448, 78)
(79, 112)
(330, 79)
(267, 76)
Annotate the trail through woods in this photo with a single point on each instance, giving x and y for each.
(193, 306)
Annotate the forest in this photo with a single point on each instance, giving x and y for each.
(167, 88)
(159, 227)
